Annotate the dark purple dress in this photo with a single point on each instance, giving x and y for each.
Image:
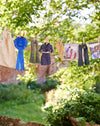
(45, 58)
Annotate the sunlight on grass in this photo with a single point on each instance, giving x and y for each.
(26, 112)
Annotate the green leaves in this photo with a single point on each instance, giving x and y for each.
(54, 18)
(76, 96)
(84, 108)
(22, 9)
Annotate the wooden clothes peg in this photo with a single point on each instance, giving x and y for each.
(23, 34)
(83, 40)
(98, 46)
(46, 40)
(99, 42)
(70, 42)
(35, 38)
(99, 39)
(20, 33)
(60, 48)
(8, 28)
(62, 40)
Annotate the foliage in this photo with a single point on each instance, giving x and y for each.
(29, 111)
(98, 87)
(90, 32)
(17, 101)
(80, 77)
(17, 13)
(75, 78)
(52, 18)
(30, 73)
(86, 106)
(18, 93)
(76, 96)
(49, 84)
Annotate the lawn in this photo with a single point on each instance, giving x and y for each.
(26, 112)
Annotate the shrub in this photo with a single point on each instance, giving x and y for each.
(30, 73)
(81, 77)
(76, 96)
(15, 92)
(49, 84)
(85, 107)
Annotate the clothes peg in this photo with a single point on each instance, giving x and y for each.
(99, 43)
(83, 40)
(62, 40)
(23, 34)
(70, 43)
(46, 40)
(53, 45)
(20, 33)
(8, 28)
(99, 39)
(35, 37)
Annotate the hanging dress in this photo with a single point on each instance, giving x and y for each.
(45, 58)
(7, 50)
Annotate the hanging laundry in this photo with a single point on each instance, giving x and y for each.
(20, 43)
(32, 57)
(81, 56)
(37, 53)
(34, 46)
(7, 50)
(95, 50)
(70, 52)
(46, 59)
(46, 49)
(60, 49)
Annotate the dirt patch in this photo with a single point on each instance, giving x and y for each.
(6, 121)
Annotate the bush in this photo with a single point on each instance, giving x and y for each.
(49, 84)
(77, 95)
(85, 107)
(81, 77)
(97, 87)
(75, 78)
(30, 73)
(15, 92)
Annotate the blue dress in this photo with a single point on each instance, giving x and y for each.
(45, 58)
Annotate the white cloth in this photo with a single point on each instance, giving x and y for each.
(8, 56)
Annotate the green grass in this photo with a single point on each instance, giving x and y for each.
(26, 112)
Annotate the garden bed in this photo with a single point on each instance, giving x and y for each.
(6, 121)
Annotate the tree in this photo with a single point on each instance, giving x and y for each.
(52, 18)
